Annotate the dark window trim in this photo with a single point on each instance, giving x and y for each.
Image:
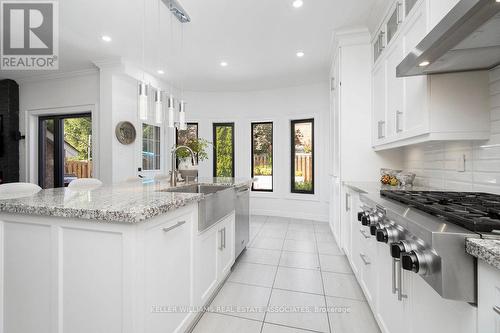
(58, 145)
(292, 155)
(197, 137)
(251, 153)
(214, 126)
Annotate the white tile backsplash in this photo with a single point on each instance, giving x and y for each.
(437, 163)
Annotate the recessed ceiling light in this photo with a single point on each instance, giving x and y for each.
(160, 71)
(424, 63)
(297, 3)
(300, 54)
(223, 64)
(106, 38)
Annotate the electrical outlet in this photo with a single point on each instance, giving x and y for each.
(461, 163)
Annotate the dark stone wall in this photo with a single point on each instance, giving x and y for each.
(9, 129)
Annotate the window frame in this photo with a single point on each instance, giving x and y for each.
(252, 154)
(292, 156)
(160, 135)
(214, 133)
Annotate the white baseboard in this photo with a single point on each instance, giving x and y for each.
(302, 215)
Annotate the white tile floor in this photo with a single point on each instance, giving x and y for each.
(291, 268)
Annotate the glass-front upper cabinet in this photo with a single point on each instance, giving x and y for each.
(378, 46)
(394, 22)
(409, 4)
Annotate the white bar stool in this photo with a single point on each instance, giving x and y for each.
(18, 190)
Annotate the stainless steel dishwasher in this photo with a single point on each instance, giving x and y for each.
(242, 228)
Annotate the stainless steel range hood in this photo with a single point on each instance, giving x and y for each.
(466, 39)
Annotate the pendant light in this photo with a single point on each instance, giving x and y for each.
(158, 107)
(171, 106)
(182, 116)
(143, 100)
(143, 87)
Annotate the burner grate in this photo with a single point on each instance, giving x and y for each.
(474, 211)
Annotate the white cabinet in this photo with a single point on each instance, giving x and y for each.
(395, 90)
(168, 273)
(488, 298)
(379, 102)
(214, 250)
(414, 119)
(392, 311)
(225, 245)
(424, 108)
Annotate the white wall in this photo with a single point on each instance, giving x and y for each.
(279, 106)
(436, 163)
(59, 92)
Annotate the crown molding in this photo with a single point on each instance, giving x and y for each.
(57, 76)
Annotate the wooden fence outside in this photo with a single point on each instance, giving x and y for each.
(304, 164)
(81, 169)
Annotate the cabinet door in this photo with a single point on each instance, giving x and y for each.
(395, 89)
(392, 313)
(168, 253)
(488, 298)
(225, 246)
(379, 103)
(205, 278)
(415, 96)
(432, 313)
(370, 268)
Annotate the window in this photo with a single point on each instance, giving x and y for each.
(302, 161)
(223, 134)
(183, 138)
(150, 147)
(64, 149)
(262, 156)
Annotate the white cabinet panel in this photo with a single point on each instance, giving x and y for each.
(379, 102)
(438, 10)
(395, 89)
(206, 265)
(432, 313)
(488, 298)
(415, 117)
(27, 284)
(392, 312)
(225, 246)
(168, 273)
(92, 276)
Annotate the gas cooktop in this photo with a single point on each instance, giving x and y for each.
(479, 212)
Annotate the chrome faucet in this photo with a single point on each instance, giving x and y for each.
(173, 171)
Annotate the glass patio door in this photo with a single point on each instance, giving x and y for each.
(64, 149)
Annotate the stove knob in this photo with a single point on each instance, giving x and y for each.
(360, 216)
(382, 235)
(365, 220)
(410, 261)
(397, 249)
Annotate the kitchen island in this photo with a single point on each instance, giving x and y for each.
(123, 258)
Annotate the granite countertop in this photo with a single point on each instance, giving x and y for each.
(375, 187)
(487, 250)
(124, 202)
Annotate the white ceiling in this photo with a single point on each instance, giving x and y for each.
(258, 39)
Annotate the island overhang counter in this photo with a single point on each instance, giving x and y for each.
(121, 258)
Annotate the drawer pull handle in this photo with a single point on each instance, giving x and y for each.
(496, 308)
(178, 224)
(364, 233)
(365, 259)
